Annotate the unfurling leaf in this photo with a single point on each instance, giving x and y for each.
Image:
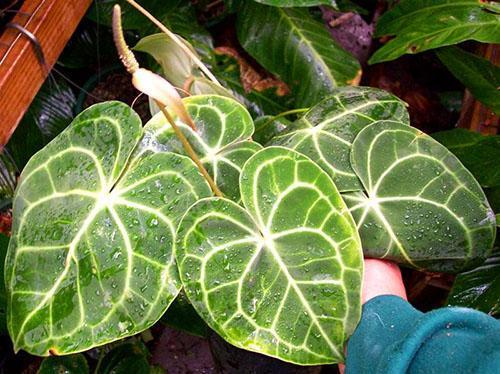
(282, 275)
(423, 207)
(90, 260)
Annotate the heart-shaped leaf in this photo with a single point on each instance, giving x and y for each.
(221, 140)
(282, 275)
(326, 132)
(424, 208)
(90, 259)
(290, 43)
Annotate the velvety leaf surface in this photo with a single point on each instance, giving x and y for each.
(221, 140)
(74, 364)
(423, 208)
(281, 275)
(479, 288)
(290, 43)
(479, 153)
(326, 132)
(419, 25)
(481, 77)
(90, 260)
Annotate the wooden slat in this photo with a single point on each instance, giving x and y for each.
(52, 22)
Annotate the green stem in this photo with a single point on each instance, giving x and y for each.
(190, 151)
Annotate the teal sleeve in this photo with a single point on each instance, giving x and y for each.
(393, 338)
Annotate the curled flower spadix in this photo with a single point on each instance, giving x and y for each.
(161, 91)
(146, 81)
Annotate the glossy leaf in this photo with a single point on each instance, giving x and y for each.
(420, 25)
(90, 260)
(130, 356)
(290, 43)
(478, 75)
(296, 3)
(326, 132)
(221, 140)
(479, 288)
(182, 316)
(267, 127)
(423, 208)
(479, 153)
(282, 275)
(4, 243)
(49, 114)
(74, 364)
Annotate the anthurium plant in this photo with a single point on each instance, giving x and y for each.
(113, 219)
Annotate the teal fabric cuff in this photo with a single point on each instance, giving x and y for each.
(393, 337)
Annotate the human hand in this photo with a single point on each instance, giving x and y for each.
(380, 277)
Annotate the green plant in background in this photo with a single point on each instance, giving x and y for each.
(112, 220)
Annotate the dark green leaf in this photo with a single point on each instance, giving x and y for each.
(479, 288)
(128, 357)
(478, 75)
(290, 43)
(90, 260)
(424, 209)
(296, 3)
(479, 153)
(282, 275)
(4, 243)
(267, 127)
(227, 71)
(49, 113)
(419, 25)
(326, 132)
(182, 316)
(74, 364)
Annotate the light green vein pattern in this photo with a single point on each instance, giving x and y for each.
(90, 259)
(281, 276)
(424, 208)
(326, 132)
(222, 138)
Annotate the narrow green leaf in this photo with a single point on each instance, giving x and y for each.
(90, 260)
(479, 288)
(221, 140)
(74, 364)
(326, 132)
(290, 43)
(478, 75)
(4, 244)
(479, 153)
(267, 127)
(420, 25)
(281, 276)
(423, 207)
(296, 3)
